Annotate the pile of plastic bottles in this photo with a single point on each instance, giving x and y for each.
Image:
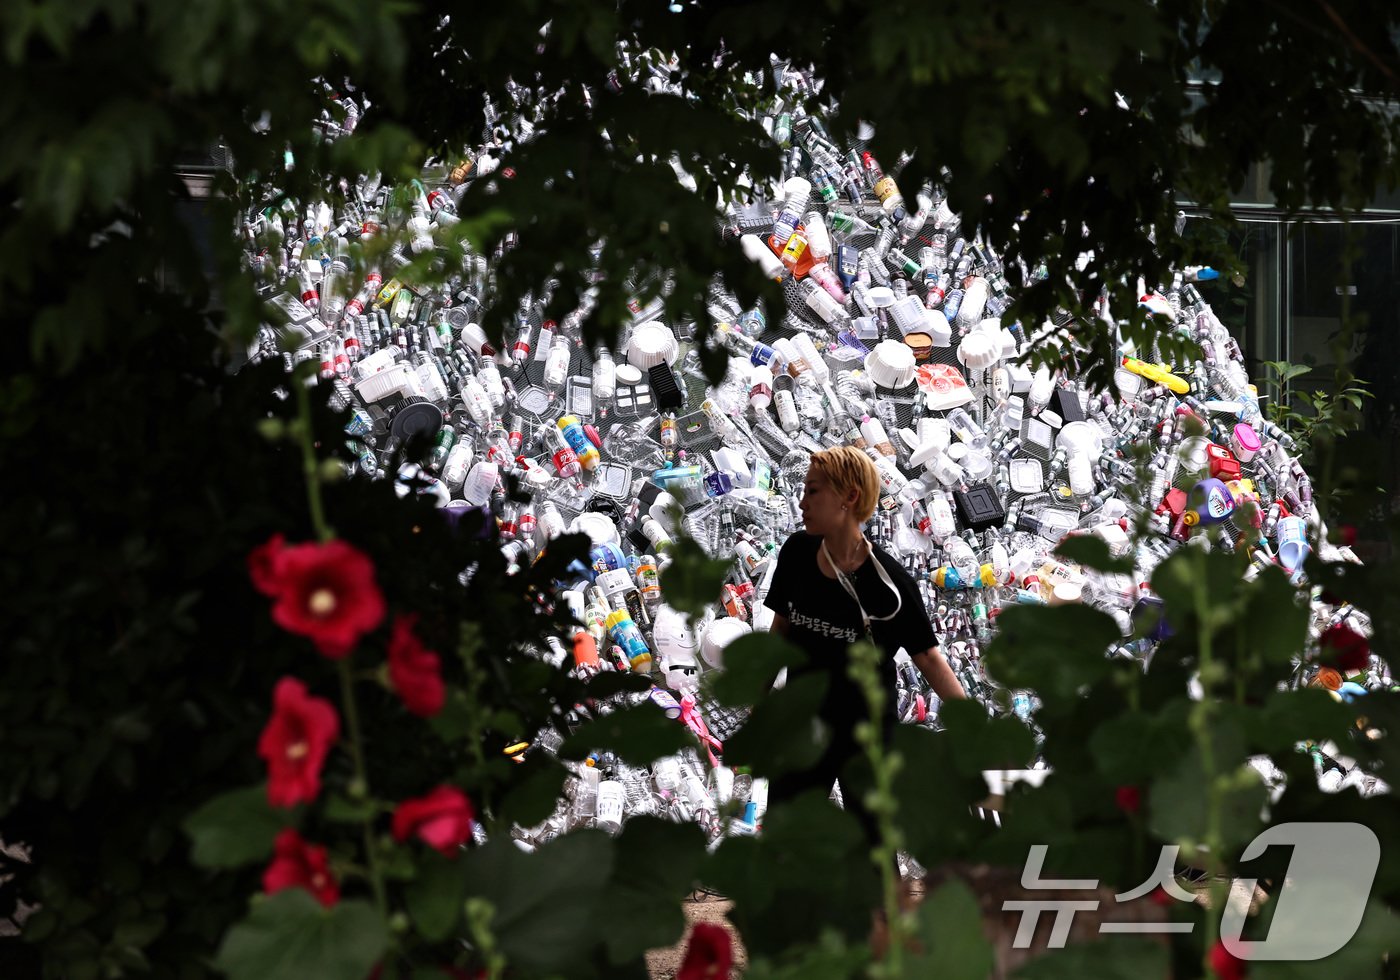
(892, 340)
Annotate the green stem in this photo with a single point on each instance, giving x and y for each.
(361, 786)
(882, 803)
(1214, 838)
(310, 465)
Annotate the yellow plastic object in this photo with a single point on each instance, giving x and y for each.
(1158, 373)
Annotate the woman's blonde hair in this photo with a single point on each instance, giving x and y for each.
(846, 468)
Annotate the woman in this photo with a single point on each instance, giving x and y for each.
(829, 583)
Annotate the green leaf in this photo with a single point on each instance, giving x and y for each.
(291, 936)
(1362, 956)
(808, 846)
(536, 786)
(1091, 551)
(538, 923)
(1277, 619)
(1289, 717)
(693, 579)
(1053, 650)
(614, 682)
(639, 735)
(1112, 958)
(434, 899)
(782, 733)
(978, 741)
(340, 810)
(1180, 801)
(657, 864)
(950, 930)
(234, 829)
(751, 664)
(1131, 748)
(454, 722)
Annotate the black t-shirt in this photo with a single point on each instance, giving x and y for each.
(824, 620)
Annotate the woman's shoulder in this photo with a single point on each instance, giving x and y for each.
(800, 542)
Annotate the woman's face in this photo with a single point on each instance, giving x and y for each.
(821, 505)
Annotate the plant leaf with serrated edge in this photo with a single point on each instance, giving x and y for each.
(291, 936)
(536, 785)
(1053, 650)
(782, 733)
(657, 863)
(1092, 551)
(234, 829)
(692, 581)
(751, 663)
(950, 931)
(538, 897)
(434, 898)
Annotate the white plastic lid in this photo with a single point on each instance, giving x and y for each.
(979, 350)
(652, 344)
(891, 364)
(880, 296)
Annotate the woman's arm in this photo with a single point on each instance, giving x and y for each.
(934, 666)
(779, 625)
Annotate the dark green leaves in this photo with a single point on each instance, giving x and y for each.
(539, 922)
(1054, 650)
(657, 866)
(434, 898)
(290, 936)
(693, 579)
(782, 733)
(234, 829)
(950, 932)
(751, 664)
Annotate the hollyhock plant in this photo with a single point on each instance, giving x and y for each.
(709, 955)
(414, 670)
(264, 565)
(295, 742)
(299, 864)
(442, 819)
(324, 591)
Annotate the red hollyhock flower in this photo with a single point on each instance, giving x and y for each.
(709, 955)
(1225, 964)
(298, 864)
(295, 742)
(414, 670)
(1343, 646)
(327, 592)
(1128, 798)
(264, 565)
(442, 819)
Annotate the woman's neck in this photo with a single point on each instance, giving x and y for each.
(846, 544)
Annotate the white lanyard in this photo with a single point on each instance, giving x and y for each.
(851, 589)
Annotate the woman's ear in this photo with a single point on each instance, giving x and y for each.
(852, 495)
